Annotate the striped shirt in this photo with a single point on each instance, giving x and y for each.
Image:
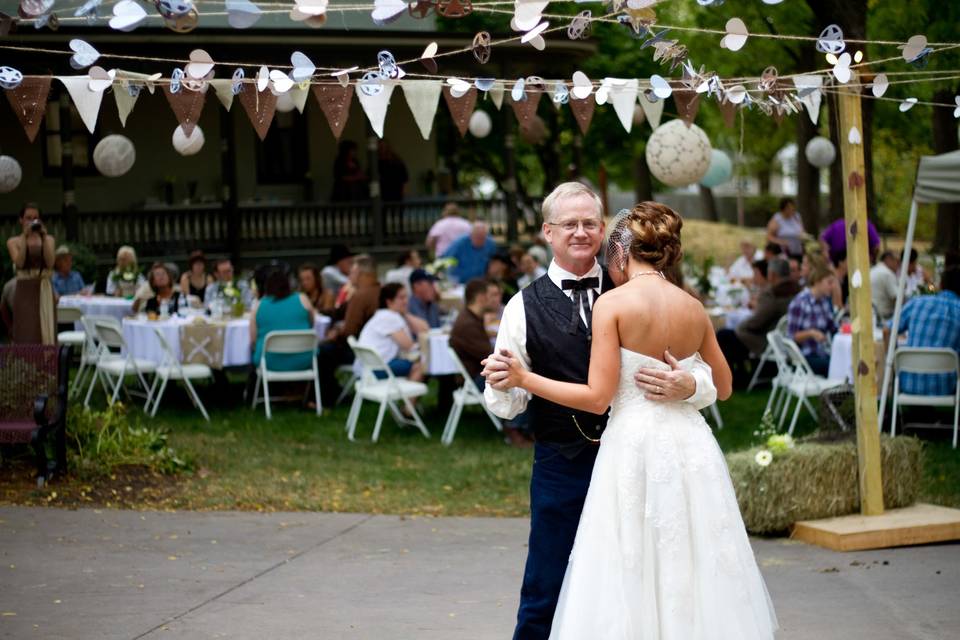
(931, 321)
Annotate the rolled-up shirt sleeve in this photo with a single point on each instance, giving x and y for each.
(513, 337)
(706, 393)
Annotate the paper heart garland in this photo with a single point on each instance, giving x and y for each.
(914, 47)
(582, 87)
(387, 10)
(880, 85)
(84, 54)
(280, 82)
(200, 64)
(242, 14)
(426, 58)
(100, 79)
(853, 136)
(127, 15)
(736, 35)
(907, 104)
(303, 67)
(841, 69)
(661, 88)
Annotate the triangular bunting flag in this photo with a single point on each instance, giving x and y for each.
(187, 106)
(376, 106)
(87, 102)
(334, 101)
(29, 102)
(125, 102)
(688, 104)
(525, 110)
(729, 112)
(583, 111)
(260, 107)
(224, 90)
(299, 97)
(422, 97)
(808, 90)
(623, 95)
(496, 94)
(461, 108)
(653, 110)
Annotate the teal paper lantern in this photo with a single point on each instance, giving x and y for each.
(720, 170)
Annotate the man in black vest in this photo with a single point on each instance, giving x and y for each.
(548, 328)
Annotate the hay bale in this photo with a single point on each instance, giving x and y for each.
(819, 480)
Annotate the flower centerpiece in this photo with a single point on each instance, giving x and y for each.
(440, 266)
(125, 280)
(232, 298)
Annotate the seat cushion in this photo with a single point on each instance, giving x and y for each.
(71, 337)
(401, 388)
(289, 376)
(116, 366)
(190, 371)
(925, 401)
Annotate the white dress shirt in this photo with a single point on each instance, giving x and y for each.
(513, 337)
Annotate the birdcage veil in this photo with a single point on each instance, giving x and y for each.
(618, 241)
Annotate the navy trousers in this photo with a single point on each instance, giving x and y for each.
(558, 488)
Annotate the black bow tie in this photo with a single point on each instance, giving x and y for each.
(580, 300)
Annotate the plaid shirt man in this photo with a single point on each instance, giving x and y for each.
(806, 312)
(931, 321)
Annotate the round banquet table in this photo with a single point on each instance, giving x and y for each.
(142, 341)
(841, 356)
(98, 306)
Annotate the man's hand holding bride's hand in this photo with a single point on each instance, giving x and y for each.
(503, 371)
(666, 386)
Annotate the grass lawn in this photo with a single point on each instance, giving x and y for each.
(298, 461)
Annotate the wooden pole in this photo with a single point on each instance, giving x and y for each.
(858, 266)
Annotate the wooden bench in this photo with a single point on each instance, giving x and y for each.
(33, 402)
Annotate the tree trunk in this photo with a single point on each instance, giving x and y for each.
(708, 204)
(763, 178)
(836, 169)
(642, 181)
(944, 141)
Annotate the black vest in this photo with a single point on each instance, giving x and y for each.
(557, 354)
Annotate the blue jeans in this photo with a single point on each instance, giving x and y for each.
(558, 488)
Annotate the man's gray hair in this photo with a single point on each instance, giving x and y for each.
(563, 192)
(365, 263)
(778, 267)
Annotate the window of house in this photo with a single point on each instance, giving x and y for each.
(282, 156)
(83, 143)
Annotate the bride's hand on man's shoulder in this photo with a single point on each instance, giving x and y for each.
(503, 371)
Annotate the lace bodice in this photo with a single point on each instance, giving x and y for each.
(628, 394)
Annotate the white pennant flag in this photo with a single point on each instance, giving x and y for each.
(808, 90)
(299, 96)
(125, 102)
(423, 96)
(376, 106)
(87, 102)
(496, 94)
(653, 110)
(623, 95)
(224, 90)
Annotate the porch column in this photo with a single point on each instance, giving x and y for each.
(68, 209)
(376, 200)
(510, 182)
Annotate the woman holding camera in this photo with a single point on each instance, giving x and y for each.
(32, 253)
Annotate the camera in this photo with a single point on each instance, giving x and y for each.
(36, 225)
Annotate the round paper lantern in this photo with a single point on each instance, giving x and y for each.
(188, 145)
(285, 102)
(480, 124)
(720, 171)
(10, 174)
(678, 154)
(820, 152)
(114, 155)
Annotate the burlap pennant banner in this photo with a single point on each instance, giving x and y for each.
(583, 111)
(526, 110)
(688, 104)
(260, 107)
(334, 100)
(729, 112)
(461, 108)
(29, 102)
(187, 106)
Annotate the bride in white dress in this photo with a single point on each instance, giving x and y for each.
(661, 552)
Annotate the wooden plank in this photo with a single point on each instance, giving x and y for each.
(861, 310)
(919, 524)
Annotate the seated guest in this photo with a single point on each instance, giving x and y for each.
(833, 240)
(918, 281)
(750, 336)
(125, 278)
(933, 321)
(164, 296)
(66, 281)
(742, 267)
(335, 351)
(472, 253)
(423, 298)
(500, 270)
(531, 270)
(468, 337)
(337, 272)
(810, 318)
(195, 279)
(884, 284)
(406, 263)
(448, 228)
(226, 283)
(391, 329)
(280, 309)
(772, 250)
(311, 286)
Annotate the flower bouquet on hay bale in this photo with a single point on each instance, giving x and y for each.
(785, 481)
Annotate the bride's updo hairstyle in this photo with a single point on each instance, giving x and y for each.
(656, 234)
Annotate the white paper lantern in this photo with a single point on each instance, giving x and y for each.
(820, 152)
(10, 174)
(285, 103)
(720, 171)
(114, 155)
(188, 146)
(678, 154)
(480, 124)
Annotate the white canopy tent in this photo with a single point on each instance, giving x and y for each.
(938, 180)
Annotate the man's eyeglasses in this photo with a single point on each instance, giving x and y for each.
(589, 225)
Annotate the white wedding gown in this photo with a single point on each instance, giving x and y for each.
(661, 551)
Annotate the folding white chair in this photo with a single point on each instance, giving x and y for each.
(74, 337)
(287, 342)
(89, 354)
(714, 412)
(115, 363)
(803, 382)
(925, 360)
(170, 368)
(467, 395)
(347, 370)
(386, 391)
(767, 355)
(782, 377)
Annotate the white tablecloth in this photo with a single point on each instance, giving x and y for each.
(142, 341)
(98, 306)
(736, 316)
(439, 362)
(841, 355)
